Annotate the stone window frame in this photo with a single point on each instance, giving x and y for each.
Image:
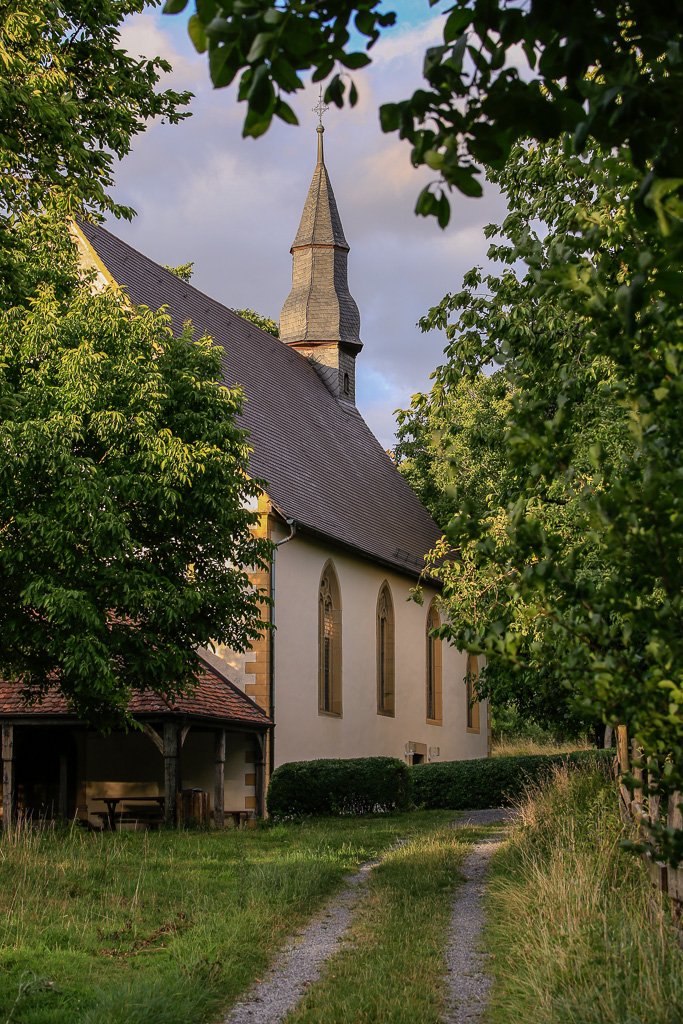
(329, 643)
(473, 723)
(433, 667)
(386, 652)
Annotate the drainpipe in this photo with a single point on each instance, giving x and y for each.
(271, 696)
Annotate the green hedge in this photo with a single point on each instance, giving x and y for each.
(355, 786)
(489, 781)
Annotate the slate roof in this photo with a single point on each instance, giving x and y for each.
(215, 699)
(323, 466)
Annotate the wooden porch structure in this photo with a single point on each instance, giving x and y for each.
(42, 749)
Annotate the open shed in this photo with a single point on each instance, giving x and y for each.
(210, 743)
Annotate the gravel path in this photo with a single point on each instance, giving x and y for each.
(468, 983)
(299, 963)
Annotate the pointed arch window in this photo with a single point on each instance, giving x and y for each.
(385, 652)
(434, 712)
(329, 644)
(471, 686)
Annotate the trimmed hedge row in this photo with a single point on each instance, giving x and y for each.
(489, 781)
(358, 785)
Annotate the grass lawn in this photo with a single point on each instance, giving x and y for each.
(579, 936)
(166, 927)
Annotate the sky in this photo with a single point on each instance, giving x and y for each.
(232, 205)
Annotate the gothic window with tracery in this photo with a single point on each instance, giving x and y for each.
(385, 652)
(329, 643)
(472, 703)
(434, 714)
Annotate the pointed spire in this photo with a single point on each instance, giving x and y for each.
(320, 312)
(320, 222)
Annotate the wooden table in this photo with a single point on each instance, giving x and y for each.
(113, 801)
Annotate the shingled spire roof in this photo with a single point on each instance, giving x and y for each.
(320, 309)
(320, 222)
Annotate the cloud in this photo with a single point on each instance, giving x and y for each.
(233, 206)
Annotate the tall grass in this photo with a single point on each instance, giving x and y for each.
(163, 927)
(517, 746)
(577, 933)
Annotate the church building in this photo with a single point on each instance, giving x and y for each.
(352, 668)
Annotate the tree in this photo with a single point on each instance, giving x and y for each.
(123, 475)
(454, 437)
(184, 271)
(71, 102)
(264, 322)
(576, 571)
(124, 496)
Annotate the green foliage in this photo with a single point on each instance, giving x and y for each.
(491, 782)
(264, 322)
(123, 498)
(571, 584)
(454, 437)
(607, 73)
(71, 101)
(184, 271)
(355, 786)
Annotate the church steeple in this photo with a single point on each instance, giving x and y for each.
(320, 318)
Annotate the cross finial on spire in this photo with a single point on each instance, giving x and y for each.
(321, 107)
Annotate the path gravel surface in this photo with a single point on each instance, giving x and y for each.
(299, 963)
(467, 979)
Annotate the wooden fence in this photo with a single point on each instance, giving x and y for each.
(642, 809)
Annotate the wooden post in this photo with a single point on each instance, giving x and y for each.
(63, 797)
(8, 777)
(171, 775)
(219, 784)
(260, 772)
(622, 748)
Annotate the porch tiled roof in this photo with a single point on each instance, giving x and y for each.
(215, 698)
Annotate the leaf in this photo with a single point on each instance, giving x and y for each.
(390, 117)
(458, 52)
(443, 210)
(323, 69)
(433, 59)
(581, 135)
(195, 30)
(259, 46)
(222, 72)
(354, 61)
(425, 203)
(353, 95)
(261, 95)
(365, 23)
(174, 6)
(335, 92)
(464, 180)
(457, 20)
(285, 112)
(434, 159)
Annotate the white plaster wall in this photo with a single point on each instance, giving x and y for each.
(301, 733)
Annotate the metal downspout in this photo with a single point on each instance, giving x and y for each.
(271, 696)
